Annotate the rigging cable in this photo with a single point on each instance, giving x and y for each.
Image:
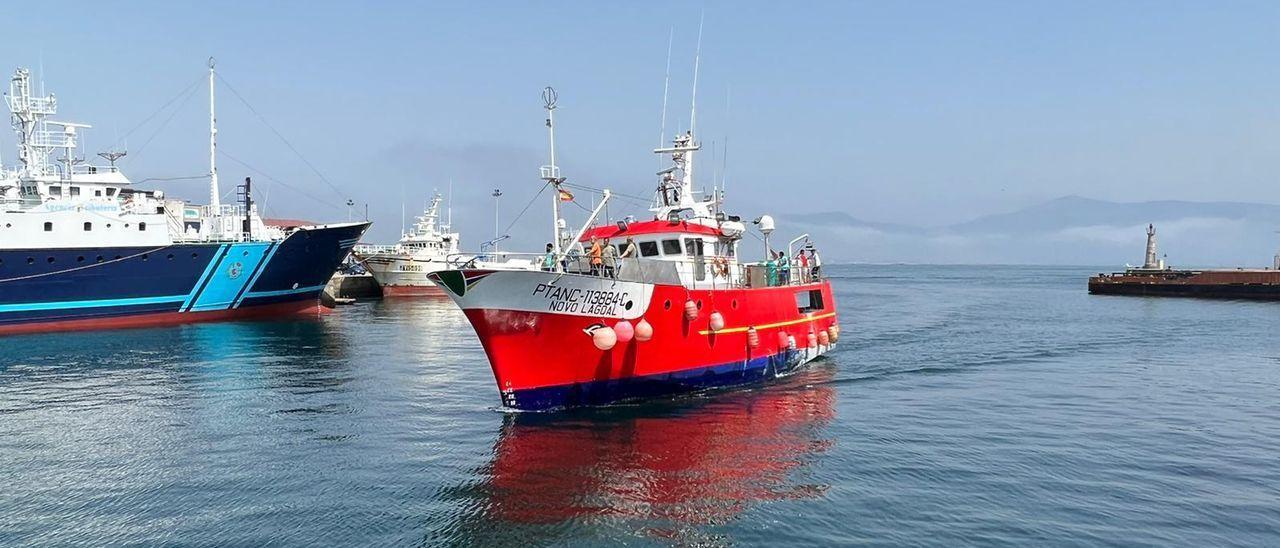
(180, 95)
(175, 112)
(85, 267)
(526, 207)
(223, 151)
(282, 139)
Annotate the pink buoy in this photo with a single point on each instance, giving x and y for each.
(823, 339)
(834, 332)
(624, 330)
(812, 339)
(644, 331)
(753, 338)
(791, 342)
(716, 321)
(782, 339)
(690, 310)
(604, 338)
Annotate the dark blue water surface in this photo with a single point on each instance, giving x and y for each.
(964, 405)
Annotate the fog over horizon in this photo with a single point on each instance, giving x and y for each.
(913, 121)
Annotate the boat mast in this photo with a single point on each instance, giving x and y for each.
(214, 202)
(551, 173)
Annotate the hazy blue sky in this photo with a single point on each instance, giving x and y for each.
(914, 112)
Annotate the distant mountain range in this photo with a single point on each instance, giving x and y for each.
(1067, 230)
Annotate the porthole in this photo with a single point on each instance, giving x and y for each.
(699, 304)
(195, 255)
(80, 259)
(170, 257)
(50, 259)
(31, 260)
(118, 257)
(734, 304)
(100, 259)
(666, 305)
(245, 254)
(145, 256)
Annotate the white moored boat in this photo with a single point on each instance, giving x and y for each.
(402, 269)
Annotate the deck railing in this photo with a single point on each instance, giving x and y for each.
(702, 272)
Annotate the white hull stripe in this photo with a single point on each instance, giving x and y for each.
(280, 292)
(64, 305)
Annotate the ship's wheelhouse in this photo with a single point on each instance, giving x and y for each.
(701, 254)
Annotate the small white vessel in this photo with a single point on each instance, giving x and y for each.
(402, 269)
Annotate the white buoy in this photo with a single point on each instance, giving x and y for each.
(717, 321)
(644, 331)
(624, 330)
(604, 338)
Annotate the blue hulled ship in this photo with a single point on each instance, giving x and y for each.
(81, 248)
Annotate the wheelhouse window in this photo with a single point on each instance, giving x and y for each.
(88, 226)
(809, 301)
(97, 193)
(111, 192)
(694, 247)
(55, 191)
(671, 247)
(648, 249)
(75, 191)
(142, 226)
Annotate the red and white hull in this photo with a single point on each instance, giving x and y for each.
(536, 330)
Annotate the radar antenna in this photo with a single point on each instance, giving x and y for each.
(112, 155)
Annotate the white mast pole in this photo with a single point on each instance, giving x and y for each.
(552, 173)
(214, 201)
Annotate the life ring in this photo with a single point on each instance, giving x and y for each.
(721, 266)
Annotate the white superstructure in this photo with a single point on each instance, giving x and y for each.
(55, 200)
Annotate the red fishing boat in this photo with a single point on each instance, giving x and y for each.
(684, 312)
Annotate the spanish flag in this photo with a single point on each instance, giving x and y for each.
(565, 195)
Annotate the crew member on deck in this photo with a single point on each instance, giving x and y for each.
(629, 251)
(596, 255)
(610, 259)
(549, 260)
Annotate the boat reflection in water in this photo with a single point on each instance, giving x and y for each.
(668, 470)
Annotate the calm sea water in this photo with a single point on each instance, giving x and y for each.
(964, 405)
